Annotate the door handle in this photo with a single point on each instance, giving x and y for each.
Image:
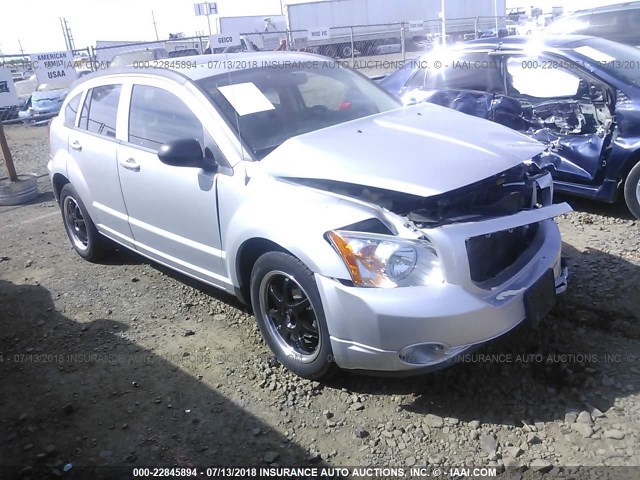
(76, 146)
(130, 164)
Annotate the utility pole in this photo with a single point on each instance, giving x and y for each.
(64, 33)
(69, 35)
(154, 25)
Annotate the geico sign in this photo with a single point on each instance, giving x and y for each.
(225, 40)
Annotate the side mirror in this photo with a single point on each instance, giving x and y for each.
(185, 152)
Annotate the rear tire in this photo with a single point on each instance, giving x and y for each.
(82, 232)
(289, 312)
(632, 191)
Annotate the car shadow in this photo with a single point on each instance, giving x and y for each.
(83, 395)
(617, 210)
(583, 355)
(124, 256)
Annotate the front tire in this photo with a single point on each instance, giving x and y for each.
(289, 312)
(82, 232)
(632, 191)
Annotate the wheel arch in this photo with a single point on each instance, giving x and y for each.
(247, 255)
(632, 160)
(58, 181)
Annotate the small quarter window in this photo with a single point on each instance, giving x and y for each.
(71, 111)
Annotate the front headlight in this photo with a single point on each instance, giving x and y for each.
(384, 261)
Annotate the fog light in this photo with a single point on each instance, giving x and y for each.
(429, 353)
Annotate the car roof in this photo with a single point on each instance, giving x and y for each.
(603, 9)
(549, 41)
(203, 66)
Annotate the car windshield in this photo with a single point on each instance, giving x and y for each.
(269, 105)
(621, 61)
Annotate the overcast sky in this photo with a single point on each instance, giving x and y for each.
(36, 22)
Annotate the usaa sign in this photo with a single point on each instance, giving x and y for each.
(54, 67)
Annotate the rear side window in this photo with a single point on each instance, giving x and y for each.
(100, 110)
(157, 117)
(527, 76)
(71, 110)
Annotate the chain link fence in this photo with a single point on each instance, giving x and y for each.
(347, 42)
(375, 50)
(36, 101)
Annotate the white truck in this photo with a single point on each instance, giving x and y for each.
(375, 23)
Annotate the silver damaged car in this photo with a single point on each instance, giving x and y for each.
(364, 235)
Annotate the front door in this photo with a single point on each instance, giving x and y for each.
(172, 210)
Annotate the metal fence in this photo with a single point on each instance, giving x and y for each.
(373, 49)
(346, 42)
(22, 70)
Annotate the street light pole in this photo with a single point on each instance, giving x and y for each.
(495, 10)
(153, 17)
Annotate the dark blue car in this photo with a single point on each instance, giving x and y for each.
(578, 95)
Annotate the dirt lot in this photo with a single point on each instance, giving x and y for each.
(126, 363)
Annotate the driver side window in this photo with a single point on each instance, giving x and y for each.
(537, 77)
(157, 117)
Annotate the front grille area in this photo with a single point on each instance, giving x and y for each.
(491, 254)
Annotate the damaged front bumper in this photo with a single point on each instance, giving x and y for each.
(416, 329)
(36, 116)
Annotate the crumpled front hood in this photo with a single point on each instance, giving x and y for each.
(420, 150)
(49, 96)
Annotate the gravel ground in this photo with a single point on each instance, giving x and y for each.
(127, 363)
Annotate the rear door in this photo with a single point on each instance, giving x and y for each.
(172, 210)
(94, 172)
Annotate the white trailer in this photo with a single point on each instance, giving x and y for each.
(375, 22)
(251, 24)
